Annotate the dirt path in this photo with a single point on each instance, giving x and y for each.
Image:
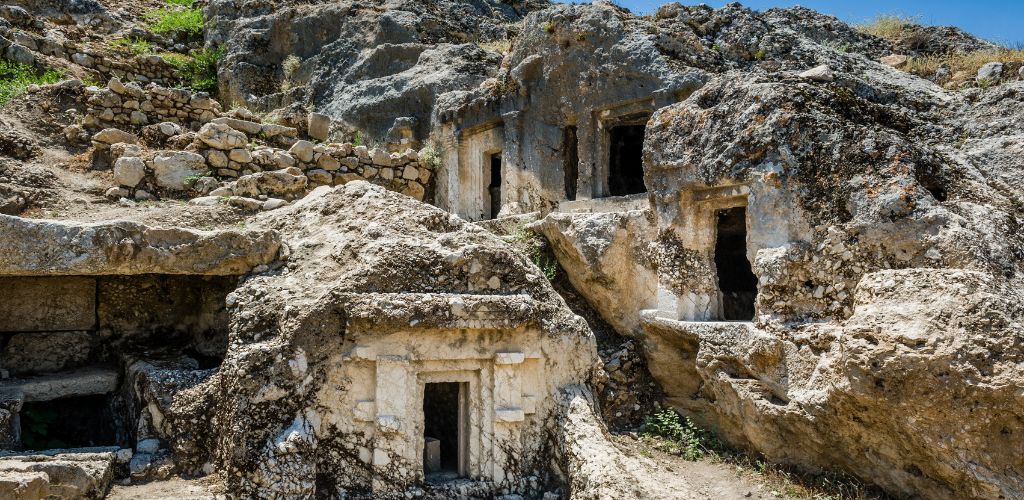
(174, 488)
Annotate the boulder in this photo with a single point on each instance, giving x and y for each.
(42, 247)
(319, 126)
(303, 151)
(287, 182)
(129, 171)
(20, 54)
(114, 136)
(990, 72)
(221, 136)
(173, 168)
(818, 73)
(895, 60)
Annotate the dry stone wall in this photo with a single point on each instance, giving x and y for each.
(27, 47)
(184, 143)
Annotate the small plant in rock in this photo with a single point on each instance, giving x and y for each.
(536, 248)
(499, 46)
(191, 180)
(691, 441)
(431, 157)
(15, 79)
(136, 46)
(358, 140)
(759, 55)
(289, 67)
(548, 26)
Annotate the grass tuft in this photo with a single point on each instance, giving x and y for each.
(967, 65)
(500, 46)
(888, 26)
(16, 77)
(178, 18)
(136, 46)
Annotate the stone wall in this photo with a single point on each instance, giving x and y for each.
(121, 105)
(58, 323)
(23, 46)
(184, 143)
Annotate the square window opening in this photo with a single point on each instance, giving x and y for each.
(626, 162)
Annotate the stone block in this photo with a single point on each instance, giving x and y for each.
(47, 304)
(41, 352)
(83, 382)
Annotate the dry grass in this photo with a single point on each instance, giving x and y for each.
(965, 64)
(889, 26)
(500, 46)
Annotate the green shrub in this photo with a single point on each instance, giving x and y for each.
(694, 442)
(136, 46)
(178, 18)
(199, 70)
(16, 77)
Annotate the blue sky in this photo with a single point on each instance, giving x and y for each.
(997, 20)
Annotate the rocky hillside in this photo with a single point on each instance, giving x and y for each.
(279, 160)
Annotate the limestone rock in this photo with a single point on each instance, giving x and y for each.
(895, 60)
(303, 151)
(221, 136)
(606, 258)
(818, 73)
(319, 126)
(129, 171)
(172, 168)
(990, 72)
(286, 182)
(40, 247)
(114, 136)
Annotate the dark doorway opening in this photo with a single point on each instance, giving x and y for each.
(626, 163)
(67, 423)
(494, 188)
(570, 161)
(442, 429)
(736, 279)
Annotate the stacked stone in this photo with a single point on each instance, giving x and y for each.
(128, 104)
(221, 162)
(21, 46)
(16, 144)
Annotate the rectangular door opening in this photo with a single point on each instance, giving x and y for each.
(626, 163)
(444, 430)
(73, 422)
(494, 187)
(736, 278)
(570, 161)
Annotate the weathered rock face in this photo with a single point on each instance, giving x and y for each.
(381, 295)
(886, 267)
(609, 259)
(361, 64)
(30, 247)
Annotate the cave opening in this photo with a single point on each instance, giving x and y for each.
(443, 430)
(736, 278)
(570, 161)
(626, 163)
(494, 188)
(72, 422)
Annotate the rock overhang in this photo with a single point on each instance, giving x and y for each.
(30, 247)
